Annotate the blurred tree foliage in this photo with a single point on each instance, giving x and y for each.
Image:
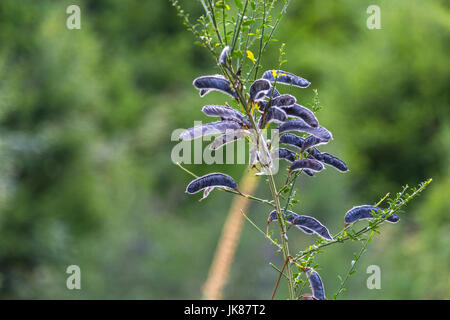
(86, 118)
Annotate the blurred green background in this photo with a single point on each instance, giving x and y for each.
(86, 176)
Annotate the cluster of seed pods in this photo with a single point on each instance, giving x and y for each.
(299, 130)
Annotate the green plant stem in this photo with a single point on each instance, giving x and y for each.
(262, 232)
(238, 27)
(372, 226)
(224, 23)
(353, 266)
(261, 41)
(269, 38)
(284, 243)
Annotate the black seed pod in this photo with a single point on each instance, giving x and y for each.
(285, 154)
(303, 113)
(302, 126)
(314, 225)
(274, 94)
(209, 128)
(364, 212)
(222, 140)
(311, 164)
(292, 139)
(211, 180)
(208, 83)
(286, 78)
(309, 172)
(275, 114)
(223, 56)
(223, 112)
(284, 100)
(316, 284)
(259, 89)
(334, 162)
(312, 141)
(290, 216)
(316, 154)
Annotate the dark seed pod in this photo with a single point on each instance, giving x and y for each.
(206, 192)
(364, 212)
(223, 56)
(316, 154)
(292, 139)
(275, 114)
(314, 225)
(334, 162)
(285, 154)
(274, 94)
(303, 113)
(284, 100)
(224, 112)
(290, 216)
(208, 83)
(311, 164)
(286, 78)
(259, 89)
(211, 180)
(312, 141)
(302, 126)
(316, 284)
(222, 140)
(209, 128)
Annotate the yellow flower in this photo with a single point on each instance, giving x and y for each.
(251, 56)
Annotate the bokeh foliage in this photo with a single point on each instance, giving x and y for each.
(86, 177)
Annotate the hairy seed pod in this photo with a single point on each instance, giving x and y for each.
(312, 141)
(286, 78)
(309, 172)
(209, 128)
(316, 284)
(316, 154)
(302, 126)
(259, 89)
(209, 83)
(285, 154)
(292, 139)
(275, 114)
(364, 212)
(284, 100)
(311, 164)
(223, 56)
(290, 216)
(224, 112)
(334, 162)
(211, 180)
(299, 111)
(274, 94)
(228, 137)
(314, 225)
(206, 192)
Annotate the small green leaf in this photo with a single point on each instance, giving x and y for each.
(238, 4)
